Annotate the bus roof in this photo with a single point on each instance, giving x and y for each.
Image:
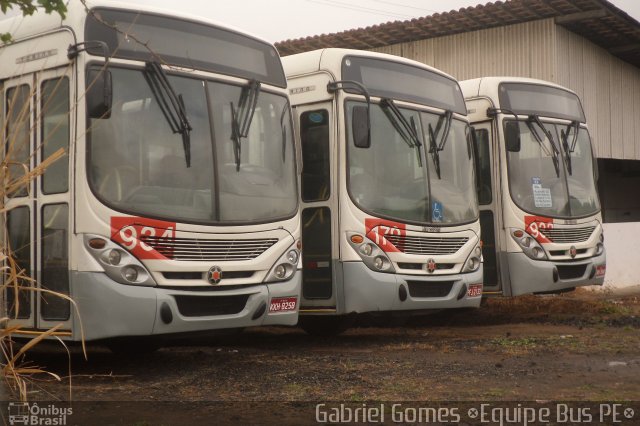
(23, 27)
(488, 86)
(330, 59)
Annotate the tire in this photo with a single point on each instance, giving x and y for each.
(133, 346)
(324, 326)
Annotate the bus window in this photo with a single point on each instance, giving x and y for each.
(18, 131)
(55, 261)
(484, 167)
(314, 135)
(18, 228)
(55, 133)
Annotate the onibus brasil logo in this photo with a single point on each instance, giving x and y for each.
(25, 413)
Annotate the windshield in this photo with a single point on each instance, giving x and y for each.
(396, 179)
(538, 187)
(138, 165)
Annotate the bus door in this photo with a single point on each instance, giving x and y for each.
(488, 201)
(317, 195)
(38, 123)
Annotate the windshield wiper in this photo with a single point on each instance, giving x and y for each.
(556, 152)
(284, 130)
(569, 148)
(399, 122)
(436, 146)
(171, 105)
(242, 117)
(407, 131)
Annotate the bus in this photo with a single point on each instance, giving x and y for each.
(389, 210)
(174, 209)
(539, 208)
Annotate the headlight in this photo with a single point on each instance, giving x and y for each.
(366, 249)
(285, 266)
(372, 255)
(292, 256)
(473, 261)
(113, 257)
(528, 244)
(119, 265)
(130, 274)
(599, 249)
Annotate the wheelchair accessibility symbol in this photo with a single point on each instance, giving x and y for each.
(436, 212)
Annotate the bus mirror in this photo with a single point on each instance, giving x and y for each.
(512, 136)
(99, 93)
(361, 126)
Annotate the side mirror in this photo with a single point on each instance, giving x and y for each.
(99, 93)
(361, 126)
(512, 136)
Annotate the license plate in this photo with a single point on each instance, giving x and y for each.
(475, 290)
(601, 270)
(283, 304)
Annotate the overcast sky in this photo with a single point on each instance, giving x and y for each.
(277, 20)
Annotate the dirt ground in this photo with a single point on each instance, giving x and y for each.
(573, 347)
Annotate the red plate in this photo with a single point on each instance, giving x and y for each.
(475, 290)
(283, 304)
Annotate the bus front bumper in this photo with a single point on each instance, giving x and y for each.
(109, 309)
(543, 276)
(369, 291)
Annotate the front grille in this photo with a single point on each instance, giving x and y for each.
(566, 252)
(211, 250)
(226, 275)
(204, 306)
(568, 235)
(415, 266)
(430, 288)
(421, 266)
(571, 272)
(427, 245)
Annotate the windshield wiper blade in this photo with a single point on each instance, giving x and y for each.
(446, 119)
(284, 130)
(242, 117)
(171, 105)
(433, 150)
(399, 122)
(570, 147)
(556, 152)
(436, 146)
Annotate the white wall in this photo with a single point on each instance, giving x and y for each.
(622, 243)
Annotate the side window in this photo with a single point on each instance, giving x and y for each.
(18, 128)
(483, 151)
(55, 262)
(19, 239)
(314, 137)
(55, 133)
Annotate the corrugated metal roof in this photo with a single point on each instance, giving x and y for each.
(597, 20)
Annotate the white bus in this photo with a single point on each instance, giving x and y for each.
(539, 208)
(390, 216)
(175, 209)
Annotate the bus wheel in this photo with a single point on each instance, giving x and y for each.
(324, 326)
(133, 346)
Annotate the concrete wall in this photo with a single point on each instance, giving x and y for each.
(622, 242)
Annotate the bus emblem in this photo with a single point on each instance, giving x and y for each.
(431, 266)
(573, 251)
(214, 275)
